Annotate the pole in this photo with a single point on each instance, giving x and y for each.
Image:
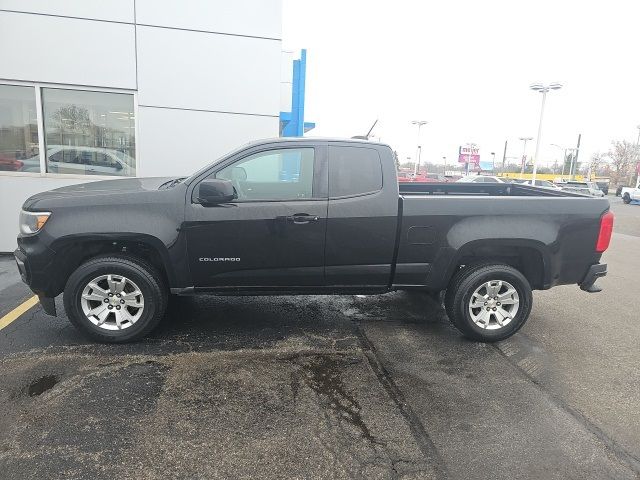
(419, 156)
(574, 158)
(523, 160)
(444, 171)
(535, 157)
(564, 161)
(504, 156)
(417, 166)
(493, 162)
(637, 160)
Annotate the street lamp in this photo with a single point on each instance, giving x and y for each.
(543, 89)
(419, 123)
(524, 153)
(493, 162)
(444, 170)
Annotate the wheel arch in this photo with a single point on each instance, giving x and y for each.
(530, 257)
(72, 251)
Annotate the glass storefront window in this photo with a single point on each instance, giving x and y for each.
(18, 129)
(89, 133)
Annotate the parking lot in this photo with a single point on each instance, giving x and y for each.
(331, 387)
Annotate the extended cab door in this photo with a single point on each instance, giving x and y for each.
(363, 215)
(273, 235)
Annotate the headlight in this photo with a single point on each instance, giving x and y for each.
(32, 222)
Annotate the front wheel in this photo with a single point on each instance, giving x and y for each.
(115, 299)
(488, 302)
(626, 198)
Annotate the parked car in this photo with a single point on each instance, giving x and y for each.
(603, 186)
(83, 160)
(118, 248)
(631, 194)
(542, 183)
(585, 188)
(480, 179)
(619, 189)
(8, 164)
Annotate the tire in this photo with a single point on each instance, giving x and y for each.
(626, 198)
(143, 296)
(474, 280)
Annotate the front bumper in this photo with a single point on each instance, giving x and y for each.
(595, 271)
(48, 303)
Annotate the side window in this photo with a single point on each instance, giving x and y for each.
(64, 155)
(353, 171)
(284, 174)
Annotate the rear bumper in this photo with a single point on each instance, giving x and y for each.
(595, 271)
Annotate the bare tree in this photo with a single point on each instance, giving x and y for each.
(623, 155)
(595, 162)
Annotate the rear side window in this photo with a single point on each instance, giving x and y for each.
(354, 171)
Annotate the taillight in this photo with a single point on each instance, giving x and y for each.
(606, 228)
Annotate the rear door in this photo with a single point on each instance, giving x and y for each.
(363, 215)
(274, 234)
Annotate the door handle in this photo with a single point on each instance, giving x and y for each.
(302, 218)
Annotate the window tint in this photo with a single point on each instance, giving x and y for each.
(283, 174)
(354, 170)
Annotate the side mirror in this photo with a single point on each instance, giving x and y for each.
(215, 191)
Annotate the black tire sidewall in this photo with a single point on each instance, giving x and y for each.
(144, 280)
(472, 282)
(626, 198)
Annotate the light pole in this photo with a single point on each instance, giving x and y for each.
(419, 123)
(544, 89)
(493, 162)
(524, 153)
(444, 170)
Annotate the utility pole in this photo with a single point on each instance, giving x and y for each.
(524, 155)
(504, 156)
(564, 161)
(575, 159)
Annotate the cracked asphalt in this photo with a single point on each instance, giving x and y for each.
(331, 387)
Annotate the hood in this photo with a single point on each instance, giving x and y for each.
(103, 188)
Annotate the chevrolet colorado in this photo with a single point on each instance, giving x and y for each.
(305, 216)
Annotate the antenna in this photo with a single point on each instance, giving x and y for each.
(366, 137)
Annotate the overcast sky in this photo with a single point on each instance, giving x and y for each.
(465, 66)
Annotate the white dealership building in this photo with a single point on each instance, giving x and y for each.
(97, 89)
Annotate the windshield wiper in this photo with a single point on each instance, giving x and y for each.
(171, 183)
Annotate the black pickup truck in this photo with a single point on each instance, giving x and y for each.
(305, 216)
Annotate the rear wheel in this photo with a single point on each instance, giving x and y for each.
(626, 198)
(488, 302)
(115, 299)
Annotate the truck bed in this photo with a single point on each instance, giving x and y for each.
(442, 223)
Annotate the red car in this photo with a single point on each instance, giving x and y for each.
(10, 164)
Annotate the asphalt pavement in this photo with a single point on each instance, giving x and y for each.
(331, 387)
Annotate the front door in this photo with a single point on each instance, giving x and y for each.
(273, 235)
